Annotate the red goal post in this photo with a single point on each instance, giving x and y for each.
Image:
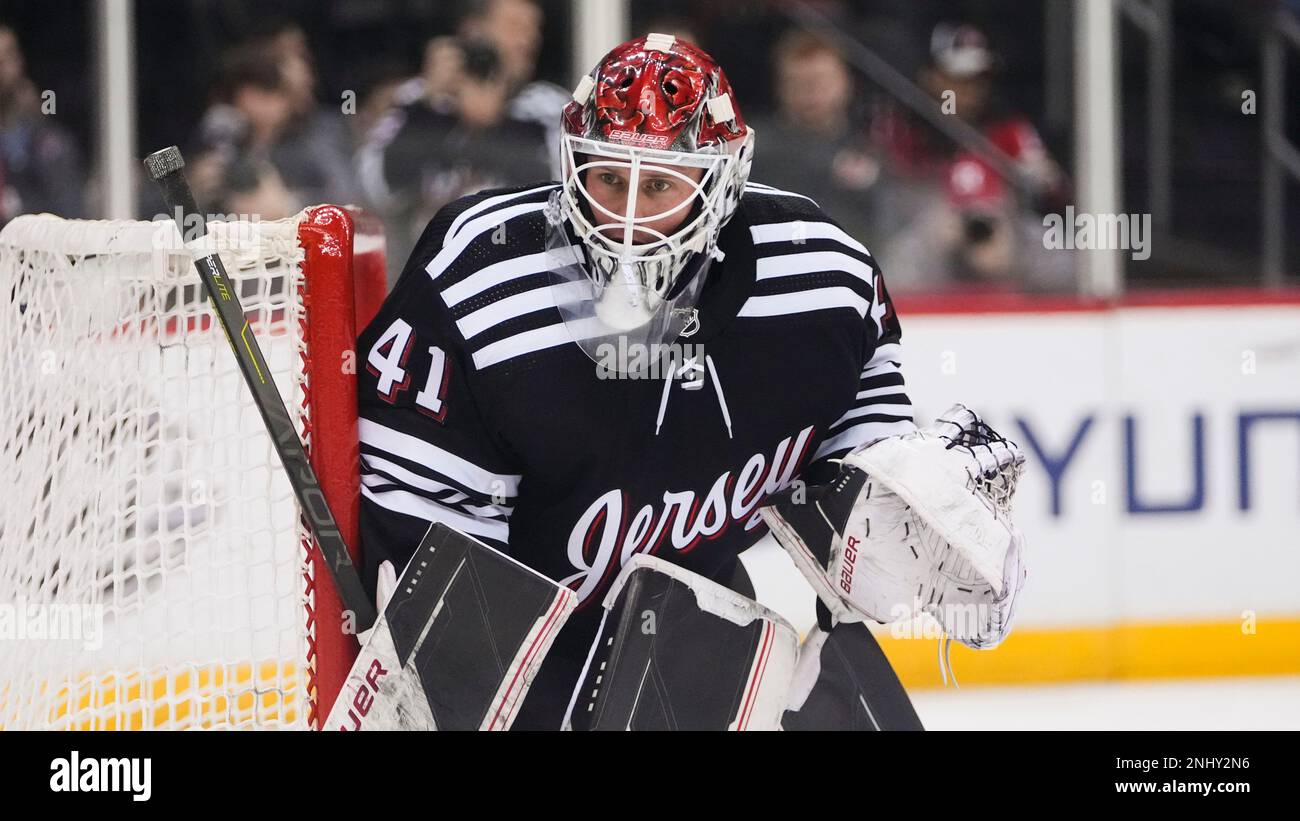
(347, 284)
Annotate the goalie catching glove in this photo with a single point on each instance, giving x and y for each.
(915, 523)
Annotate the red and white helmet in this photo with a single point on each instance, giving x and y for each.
(657, 104)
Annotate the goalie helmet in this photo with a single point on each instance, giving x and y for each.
(656, 111)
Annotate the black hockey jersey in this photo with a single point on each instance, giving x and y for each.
(478, 410)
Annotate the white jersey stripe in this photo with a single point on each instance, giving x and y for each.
(888, 390)
(454, 246)
(438, 460)
(415, 480)
(489, 510)
(420, 507)
(550, 336)
(803, 230)
(882, 369)
(759, 188)
(498, 272)
(517, 305)
(490, 202)
(904, 411)
(818, 299)
(378, 484)
(813, 262)
(520, 344)
(863, 434)
(888, 353)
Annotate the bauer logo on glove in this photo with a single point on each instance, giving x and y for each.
(915, 523)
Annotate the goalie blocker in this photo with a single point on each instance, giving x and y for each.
(458, 643)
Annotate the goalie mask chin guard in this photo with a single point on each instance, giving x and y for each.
(619, 319)
(654, 111)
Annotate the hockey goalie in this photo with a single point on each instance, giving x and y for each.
(624, 378)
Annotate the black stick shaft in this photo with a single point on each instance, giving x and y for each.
(167, 169)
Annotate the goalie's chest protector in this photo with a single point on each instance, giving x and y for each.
(676, 463)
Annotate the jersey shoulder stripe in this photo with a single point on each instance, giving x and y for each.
(801, 232)
(492, 274)
(830, 298)
(814, 262)
(755, 191)
(804, 261)
(481, 239)
(816, 276)
(491, 200)
(495, 274)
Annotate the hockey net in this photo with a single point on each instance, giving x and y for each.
(154, 569)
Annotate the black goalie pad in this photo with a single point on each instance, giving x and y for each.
(457, 645)
(676, 651)
(853, 686)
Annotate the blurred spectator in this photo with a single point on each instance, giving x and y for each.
(961, 72)
(817, 144)
(380, 88)
(437, 85)
(953, 221)
(314, 154)
(40, 165)
(267, 117)
(474, 118)
(253, 187)
(514, 28)
(974, 235)
(442, 73)
(437, 148)
(678, 27)
(253, 109)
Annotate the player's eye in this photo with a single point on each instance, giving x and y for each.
(610, 179)
(659, 186)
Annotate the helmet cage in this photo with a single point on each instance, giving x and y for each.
(612, 247)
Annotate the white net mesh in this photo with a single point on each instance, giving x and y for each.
(153, 570)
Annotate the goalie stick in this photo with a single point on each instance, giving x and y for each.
(166, 167)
